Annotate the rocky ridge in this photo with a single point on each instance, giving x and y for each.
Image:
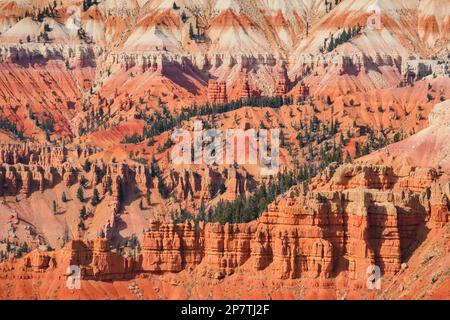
(305, 234)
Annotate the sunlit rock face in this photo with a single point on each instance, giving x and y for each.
(90, 95)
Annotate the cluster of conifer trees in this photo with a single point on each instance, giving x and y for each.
(14, 248)
(11, 127)
(248, 208)
(164, 121)
(345, 36)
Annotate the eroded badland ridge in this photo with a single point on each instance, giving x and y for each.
(92, 91)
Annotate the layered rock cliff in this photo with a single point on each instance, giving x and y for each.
(314, 234)
(317, 234)
(102, 85)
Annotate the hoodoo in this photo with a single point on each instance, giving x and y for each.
(217, 92)
(347, 104)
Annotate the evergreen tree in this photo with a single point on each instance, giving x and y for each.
(121, 194)
(202, 212)
(95, 198)
(162, 188)
(222, 187)
(329, 102)
(87, 165)
(83, 213)
(147, 196)
(212, 191)
(109, 185)
(80, 194)
(184, 17)
(366, 150)
(342, 140)
(191, 32)
(63, 197)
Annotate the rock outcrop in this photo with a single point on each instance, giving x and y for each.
(302, 91)
(108, 84)
(217, 92)
(345, 225)
(283, 83)
(311, 236)
(245, 92)
(32, 154)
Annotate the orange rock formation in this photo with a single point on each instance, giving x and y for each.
(217, 92)
(358, 216)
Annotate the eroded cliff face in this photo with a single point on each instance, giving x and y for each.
(39, 182)
(128, 53)
(25, 168)
(362, 216)
(357, 217)
(94, 79)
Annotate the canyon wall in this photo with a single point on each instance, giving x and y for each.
(344, 226)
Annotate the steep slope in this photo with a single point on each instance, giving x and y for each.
(323, 238)
(428, 147)
(89, 99)
(433, 23)
(301, 240)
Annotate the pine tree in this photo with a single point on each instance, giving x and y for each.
(184, 17)
(83, 213)
(212, 191)
(342, 140)
(202, 212)
(155, 171)
(191, 32)
(329, 102)
(222, 187)
(87, 165)
(65, 235)
(147, 196)
(95, 197)
(366, 150)
(63, 197)
(24, 248)
(120, 195)
(55, 207)
(80, 194)
(162, 188)
(87, 4)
